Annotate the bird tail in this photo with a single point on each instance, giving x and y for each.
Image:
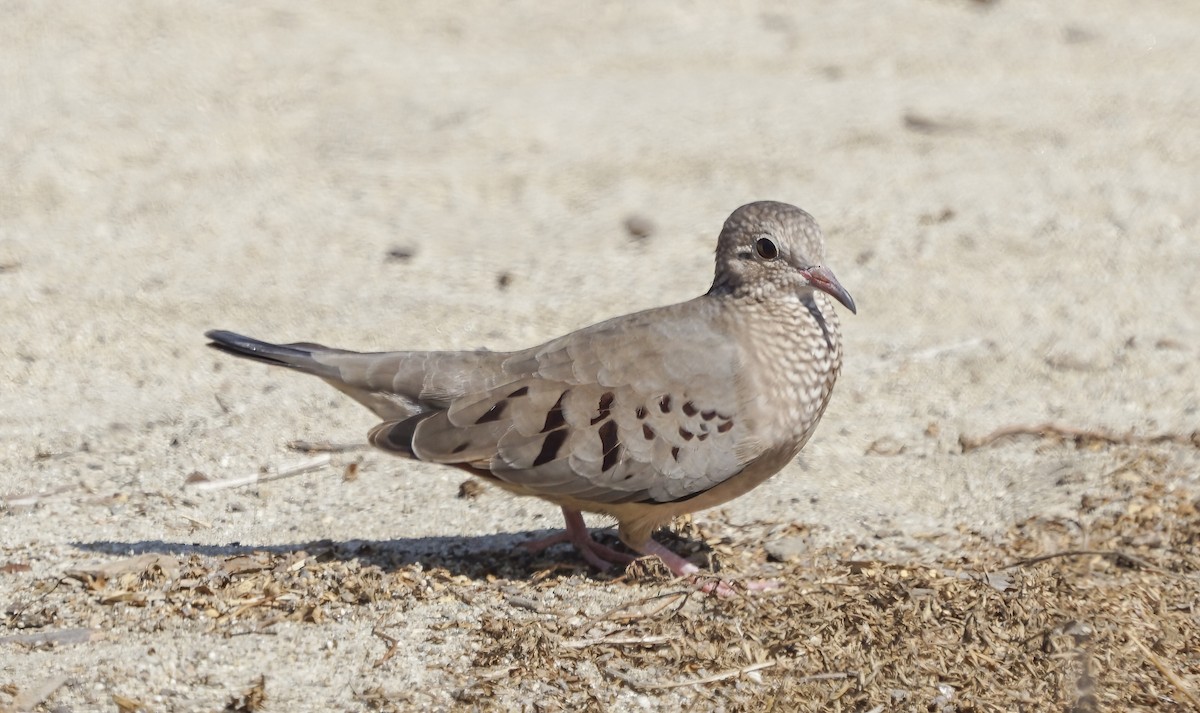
(293, 356)
(380, 382)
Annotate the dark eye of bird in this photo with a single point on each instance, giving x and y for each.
(766, 249)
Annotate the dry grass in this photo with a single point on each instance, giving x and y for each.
(1098, 612)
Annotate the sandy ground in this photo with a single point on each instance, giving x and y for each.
(1008, 189)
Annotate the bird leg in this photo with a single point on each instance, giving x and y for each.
(603, 557)
(597, 555)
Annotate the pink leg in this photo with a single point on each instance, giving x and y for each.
(597, 555)
(682, 568)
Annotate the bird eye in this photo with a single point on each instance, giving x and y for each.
(766, 249)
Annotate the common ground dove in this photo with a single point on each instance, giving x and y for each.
(642, 417)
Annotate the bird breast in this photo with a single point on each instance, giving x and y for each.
(791, 371)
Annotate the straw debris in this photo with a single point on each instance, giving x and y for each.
(1097, 611)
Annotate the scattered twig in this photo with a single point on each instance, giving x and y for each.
(15, 501)
(1167, 673)
(720, 676)
(620, 676)
(326, 447)
(260, 630)
(827, 676)
(125, 704)
(198, 523)
(43, 454)
(497, 673)
(553, 569)
(60, 636)
(617, 641)
(100, 571)
(392, 642)
(1080, 436)
(247, 606)
(1114, 555)
(202, 482)
(668, 597)
(524, 603)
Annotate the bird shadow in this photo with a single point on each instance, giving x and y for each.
(479, 557)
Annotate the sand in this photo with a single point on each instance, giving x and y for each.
(1008, 189)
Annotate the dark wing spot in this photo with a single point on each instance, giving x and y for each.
(550, 446)
(641, 412)
(702, 436)
(492, 414)
(690, 409)
(725, 426)
(675, 453)
(687, 435)
(648, 432)
(708, 415)
(519, 392)
(606, 401)
(664, 403)
(460, 448)
(609, 445)
(608, 437)
(554, 417)
(610, 459)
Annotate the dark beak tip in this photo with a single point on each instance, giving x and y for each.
(848, 302)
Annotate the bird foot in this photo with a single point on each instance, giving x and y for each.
(603, 558)
(680, 567)
(600, 556)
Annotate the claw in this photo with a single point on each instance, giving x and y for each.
(604, 558)
(600, 556)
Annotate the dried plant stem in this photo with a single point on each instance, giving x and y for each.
(326, 447)
(1078, 435)
(617, 641)
(1179, 684)
(58, 636)
(1114, 555)
(203, 483)
(721, 676)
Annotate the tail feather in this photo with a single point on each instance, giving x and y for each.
(346, 371)
(293, 356)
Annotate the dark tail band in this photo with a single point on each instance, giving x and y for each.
(291, 356)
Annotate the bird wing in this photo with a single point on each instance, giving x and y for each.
(645, 407)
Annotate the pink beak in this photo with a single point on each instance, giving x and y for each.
(822, 278)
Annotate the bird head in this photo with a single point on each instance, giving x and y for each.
(769, 250)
